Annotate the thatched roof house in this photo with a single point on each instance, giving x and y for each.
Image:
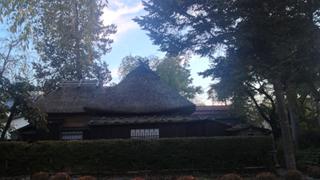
(140, 106)
(140, 92)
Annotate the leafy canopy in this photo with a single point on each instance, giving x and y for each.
(70, 40)
(69, 37)
(174, 71)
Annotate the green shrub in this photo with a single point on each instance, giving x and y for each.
(308, 157)
(96, 156)
(309, 139)
(266, 176)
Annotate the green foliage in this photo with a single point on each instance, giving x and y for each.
(129, 155)
(20, 16)
(309, 139)
(70, 40)
(19, 93)
(248, 41)
(174, 71)
(307, 157)
(128, 63)
(15, 87)
(310, 111)
(69, 37)
(275, 42)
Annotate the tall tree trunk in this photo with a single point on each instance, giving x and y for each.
(274, 123)
(8, 123)
(293, 113)
(316, 95)
(318, 112)
(77, 42)
(287, 142)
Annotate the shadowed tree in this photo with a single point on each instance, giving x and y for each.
(275, 41)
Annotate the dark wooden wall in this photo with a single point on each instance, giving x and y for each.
(59, 123)
(166, 130)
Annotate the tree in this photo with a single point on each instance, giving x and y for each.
(69, 37)
(15, 88)
(19, 102)
(251, 96)
(128, 63)
(173, 71)
(70, 40)
(276, 41)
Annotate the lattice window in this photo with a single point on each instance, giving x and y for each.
(144, 133)
(72, 135)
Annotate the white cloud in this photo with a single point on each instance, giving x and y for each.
(121, 14)
(115, 75)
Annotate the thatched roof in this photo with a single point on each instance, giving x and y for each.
(216, 111)
(140, 92)
(100, 121)
(70, 97)
(243, 126)
(217, 114)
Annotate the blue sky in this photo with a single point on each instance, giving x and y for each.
(132, 40)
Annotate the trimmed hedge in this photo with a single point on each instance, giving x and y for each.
(308, 157)
(101, 156)
(309, 139)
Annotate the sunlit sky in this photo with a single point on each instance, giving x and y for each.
(130, 39)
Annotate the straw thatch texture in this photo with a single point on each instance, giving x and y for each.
(140, 92)
(70, 97)
(150, 119)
